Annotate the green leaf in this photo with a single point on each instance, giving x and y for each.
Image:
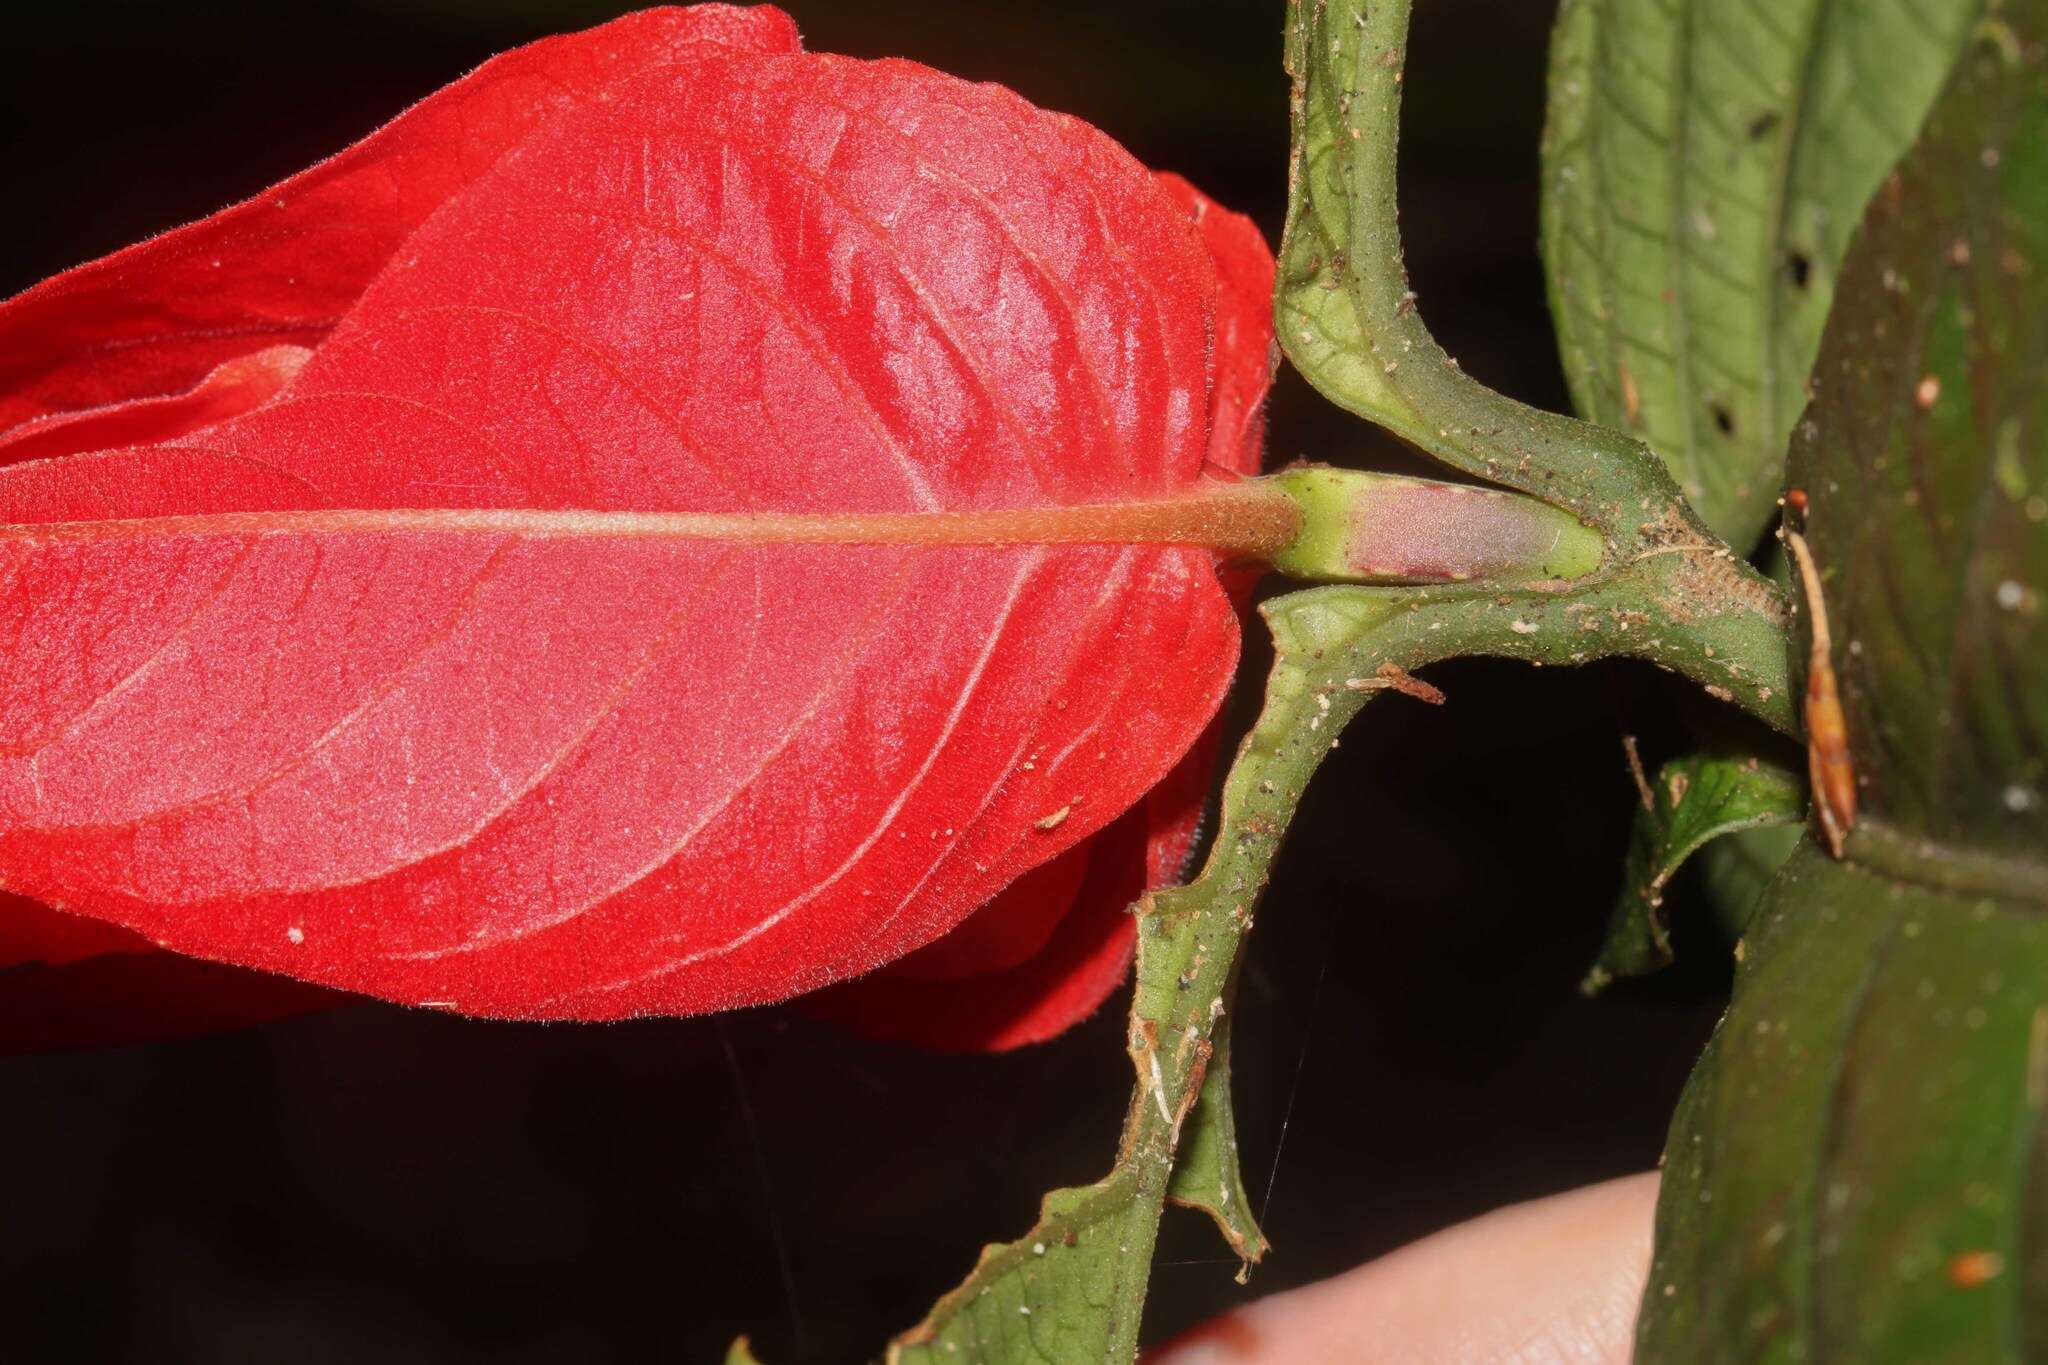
(1859, 1168)
(1926, 458)
(1704, 166)
(1856, 1171)
(1690, 802)
(1206, 1172)
(1070, 1289)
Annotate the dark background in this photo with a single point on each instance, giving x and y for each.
(373, 1184)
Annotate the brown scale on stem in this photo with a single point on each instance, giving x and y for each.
(1828, 764)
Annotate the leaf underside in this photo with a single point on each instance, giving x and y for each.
(1704, 166)
(570, 773)
(1859, 1168)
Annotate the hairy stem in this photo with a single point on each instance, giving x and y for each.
(1348, 319)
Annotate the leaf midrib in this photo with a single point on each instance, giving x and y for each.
(1238, 518)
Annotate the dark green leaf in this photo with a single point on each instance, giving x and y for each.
(1070, 1289)
(1926, 458)
(1705, 164)
(1731, 874)
(1856, 1171)
(1859, 1169)
(1692, 800)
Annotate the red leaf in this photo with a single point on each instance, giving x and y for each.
(1245, 359)
(976, 988)
(391, 682)
(283, 267)
(234, 386)
(1084, 957)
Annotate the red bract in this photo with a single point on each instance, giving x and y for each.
(539, 562)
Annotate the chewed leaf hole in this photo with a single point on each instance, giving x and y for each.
(1724, 420)
(1798, 268)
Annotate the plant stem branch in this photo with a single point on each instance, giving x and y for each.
(1347, 318)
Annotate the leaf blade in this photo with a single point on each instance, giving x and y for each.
(369, 760)
(1930, 408)
(1859, 1134)
(1704, 167)
(1207, 1174)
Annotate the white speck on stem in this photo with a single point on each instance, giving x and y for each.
(1159, 1088)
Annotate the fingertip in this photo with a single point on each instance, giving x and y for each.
(1552, 1282)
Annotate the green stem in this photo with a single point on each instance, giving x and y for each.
(1347, 318)
(1343, 238)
